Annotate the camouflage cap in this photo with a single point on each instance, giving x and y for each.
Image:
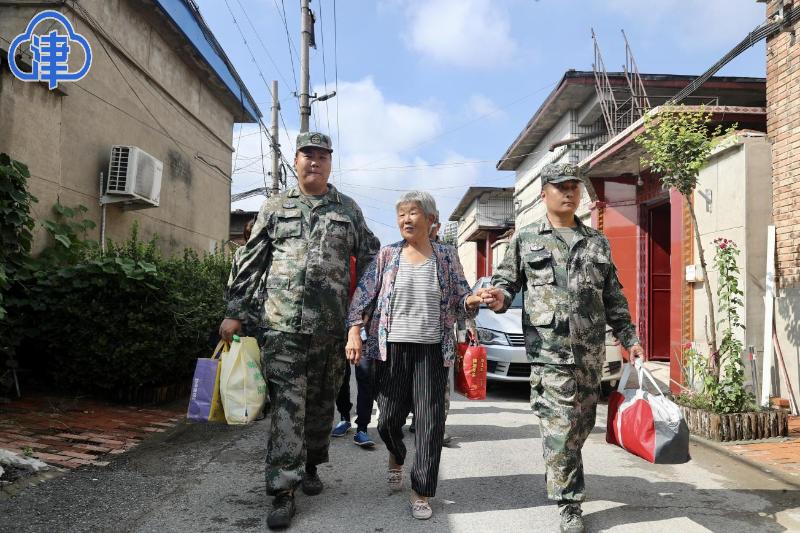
(559, 173)
(313, 139)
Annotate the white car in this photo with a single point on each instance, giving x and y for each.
(502, 336)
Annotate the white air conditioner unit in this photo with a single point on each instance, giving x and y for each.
(133, 175)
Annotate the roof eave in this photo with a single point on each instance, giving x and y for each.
(249, 111)
(629, 135)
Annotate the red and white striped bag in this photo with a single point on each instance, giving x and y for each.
(648, 425)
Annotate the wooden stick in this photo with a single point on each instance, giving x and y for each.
(792, 400)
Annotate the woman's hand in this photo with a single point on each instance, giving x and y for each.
(473, 301)
(353, 348)
(492, 297)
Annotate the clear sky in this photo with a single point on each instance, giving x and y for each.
(432, 92)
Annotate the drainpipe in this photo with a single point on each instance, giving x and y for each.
(103, 207)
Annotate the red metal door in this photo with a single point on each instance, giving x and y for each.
(659, 279)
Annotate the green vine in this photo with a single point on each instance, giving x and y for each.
(726, 394)
(16, 225)
(730, 394)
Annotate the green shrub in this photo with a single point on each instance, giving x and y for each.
(115, 322)
(16, 237)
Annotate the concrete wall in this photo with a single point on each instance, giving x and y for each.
(738, 176)
(468, 255)
(141, 91)
(527, 188)
(468, 250)
(499, 249)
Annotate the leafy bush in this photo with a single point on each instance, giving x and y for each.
(16, 224)
(115, 322)
(16, 237)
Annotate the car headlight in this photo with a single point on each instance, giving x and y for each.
(489, 336)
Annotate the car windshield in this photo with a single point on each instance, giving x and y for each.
(516, 303)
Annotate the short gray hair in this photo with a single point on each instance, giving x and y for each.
(424, 199)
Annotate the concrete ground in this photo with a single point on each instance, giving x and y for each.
(210, 478)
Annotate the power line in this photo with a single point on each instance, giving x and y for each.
(282, 15)
(98, 29)
(258, 69)
(236, 149)
(258, 36)
(467, 123)
(336, 88)
(263, 170)
(136, 94)
(443, 166)
(378, 222)
(324, 67)
(448, 188)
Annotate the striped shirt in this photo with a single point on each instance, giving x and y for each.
(416, 301)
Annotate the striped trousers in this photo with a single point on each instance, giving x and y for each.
(413, 376)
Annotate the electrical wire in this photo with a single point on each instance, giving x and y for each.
(260, 72)
(263, 46)
(336, 88)
(324, 67)
(101, 34)
(467, 123)
(282, 15)
(236, 148)
(263, 169)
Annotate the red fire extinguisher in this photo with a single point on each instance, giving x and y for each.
(470, 379)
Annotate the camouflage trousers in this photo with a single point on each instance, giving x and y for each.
(303, 373)
(564, 397)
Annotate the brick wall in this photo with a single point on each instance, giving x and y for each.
(783, 126)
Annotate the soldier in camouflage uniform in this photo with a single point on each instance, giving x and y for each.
(301, 247)
(251, 324)
(571, 291)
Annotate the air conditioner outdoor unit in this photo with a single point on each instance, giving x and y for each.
(134, 175)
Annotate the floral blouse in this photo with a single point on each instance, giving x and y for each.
(373, 297)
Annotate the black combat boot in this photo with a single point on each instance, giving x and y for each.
(571, 519)
(283, 509)
(312, 484)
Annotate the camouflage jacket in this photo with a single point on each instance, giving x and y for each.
(302, 251)
(252, 319)
(570, 293)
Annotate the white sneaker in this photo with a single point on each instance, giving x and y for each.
(395, 479)
(420, 509)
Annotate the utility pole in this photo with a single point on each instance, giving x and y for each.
(306, 35)
(276, 147)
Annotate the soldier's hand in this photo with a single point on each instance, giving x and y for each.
(228, 328)
(492, 297)
(354, 344)
(636, 352)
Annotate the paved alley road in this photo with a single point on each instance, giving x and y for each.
(210, 478)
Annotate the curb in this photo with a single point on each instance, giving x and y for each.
(767, 469)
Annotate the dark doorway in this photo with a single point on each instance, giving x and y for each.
(658, 282)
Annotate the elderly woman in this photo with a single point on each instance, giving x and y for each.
(409, 299)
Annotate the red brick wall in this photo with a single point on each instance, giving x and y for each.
(783, 127)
